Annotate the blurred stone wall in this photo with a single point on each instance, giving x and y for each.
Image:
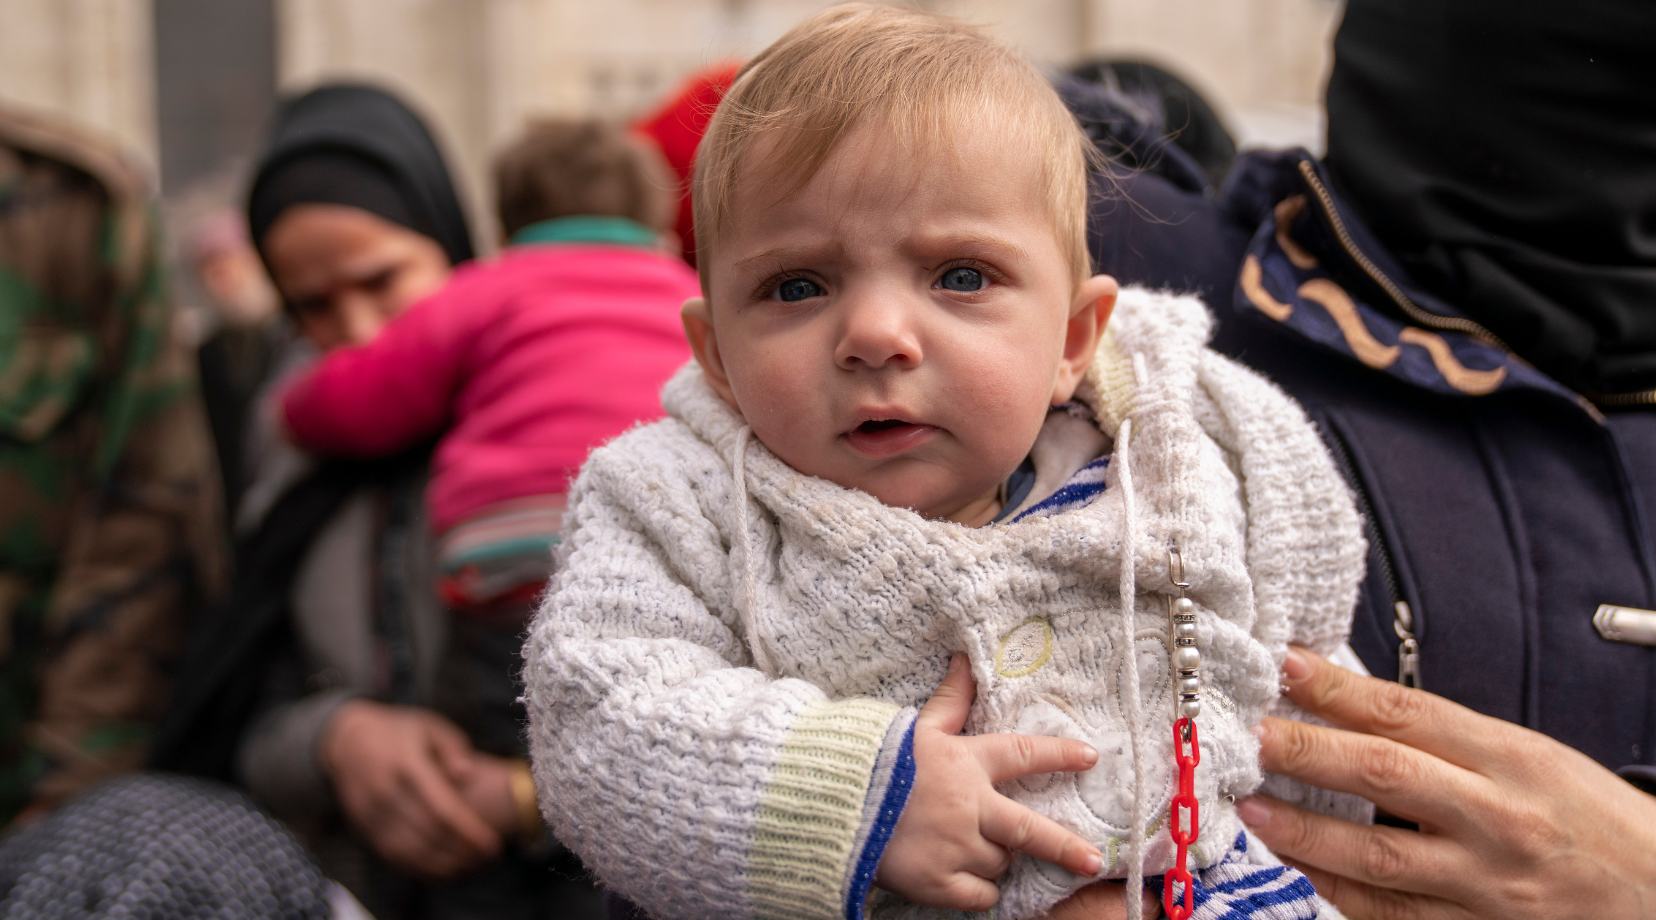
(478, 68)
(88, 59)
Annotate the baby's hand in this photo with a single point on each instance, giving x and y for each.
(957, 834)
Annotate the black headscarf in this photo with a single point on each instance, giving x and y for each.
(1505, 151)
(358, 146)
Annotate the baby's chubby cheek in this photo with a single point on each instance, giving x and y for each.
(783, 422)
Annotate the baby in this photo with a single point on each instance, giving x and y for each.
(909, 452)
(522, 363)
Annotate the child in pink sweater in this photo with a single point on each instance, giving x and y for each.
(522, 364)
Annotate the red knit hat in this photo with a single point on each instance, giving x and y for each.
(677, 128)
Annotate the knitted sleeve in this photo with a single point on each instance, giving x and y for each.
(687, 780)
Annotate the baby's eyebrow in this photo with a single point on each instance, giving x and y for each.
(787, 256)
(995, 248)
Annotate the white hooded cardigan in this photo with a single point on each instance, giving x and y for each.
(722, 673)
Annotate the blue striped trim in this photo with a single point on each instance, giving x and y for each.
(891, 809)
(1237, 890)
(1083, 487)
(1264, 876)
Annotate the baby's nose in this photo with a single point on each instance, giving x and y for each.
(875, 334)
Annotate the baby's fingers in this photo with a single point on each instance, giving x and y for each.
(1009, 757)
(1023, 831)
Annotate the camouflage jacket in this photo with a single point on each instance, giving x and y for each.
(110, 525)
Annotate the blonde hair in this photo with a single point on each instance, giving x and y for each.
(919, 77)
(568, 167)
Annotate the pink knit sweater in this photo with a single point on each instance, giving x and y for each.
(522, 364)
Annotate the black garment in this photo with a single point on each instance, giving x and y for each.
(235, 363)
(1502, 508)
(234, 645)
(1501, 520)
(358, 146)
(1505, 152)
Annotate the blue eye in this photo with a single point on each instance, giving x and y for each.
(960, 278)
(797, 289)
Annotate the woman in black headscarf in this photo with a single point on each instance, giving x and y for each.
(347, 732)
(354, 213)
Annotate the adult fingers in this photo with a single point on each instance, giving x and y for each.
(452, 748)
(1007, 757)
(951, 702)
(1381, 707)
(438, 797)
(409, 837)
(401, 848)
(1021, 830)
(1366, 902)
(1384, 857)
(1400, 779)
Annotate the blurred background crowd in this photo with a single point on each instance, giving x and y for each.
(209, 214)
(188, 86)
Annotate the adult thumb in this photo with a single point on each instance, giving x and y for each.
(951, 702)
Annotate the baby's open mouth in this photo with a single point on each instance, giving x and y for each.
(882, 424)
(885, 437)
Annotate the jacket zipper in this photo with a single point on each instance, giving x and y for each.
(1642, 398)
(1413, 310)
(1403, 301)
(1403, 618)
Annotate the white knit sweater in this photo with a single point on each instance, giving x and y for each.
(731, 651)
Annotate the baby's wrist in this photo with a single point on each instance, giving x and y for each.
(889, 792)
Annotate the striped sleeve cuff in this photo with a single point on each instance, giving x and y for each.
(812, 826)
(887, 794)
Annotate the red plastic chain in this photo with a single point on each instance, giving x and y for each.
(1184, 730)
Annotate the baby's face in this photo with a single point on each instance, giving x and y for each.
(895, 326)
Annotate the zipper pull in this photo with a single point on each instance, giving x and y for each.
(1408, 647)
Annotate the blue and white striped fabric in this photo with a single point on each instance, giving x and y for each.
(1086, 485)
(1238, 889)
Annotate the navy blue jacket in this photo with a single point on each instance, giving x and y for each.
(1503, 509)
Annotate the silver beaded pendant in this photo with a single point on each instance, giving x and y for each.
(1187, 658)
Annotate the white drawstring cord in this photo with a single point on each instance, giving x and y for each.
(747, 605)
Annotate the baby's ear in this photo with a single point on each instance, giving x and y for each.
(698, 328)
(1089, 311)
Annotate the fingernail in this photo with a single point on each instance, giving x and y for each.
(1296, 667)
(1089, 754)
(1093, 864)
(1253, 812)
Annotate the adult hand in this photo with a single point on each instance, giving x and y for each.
(957, 834)
(1512, 823)
(397, 771)
(487, 788)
